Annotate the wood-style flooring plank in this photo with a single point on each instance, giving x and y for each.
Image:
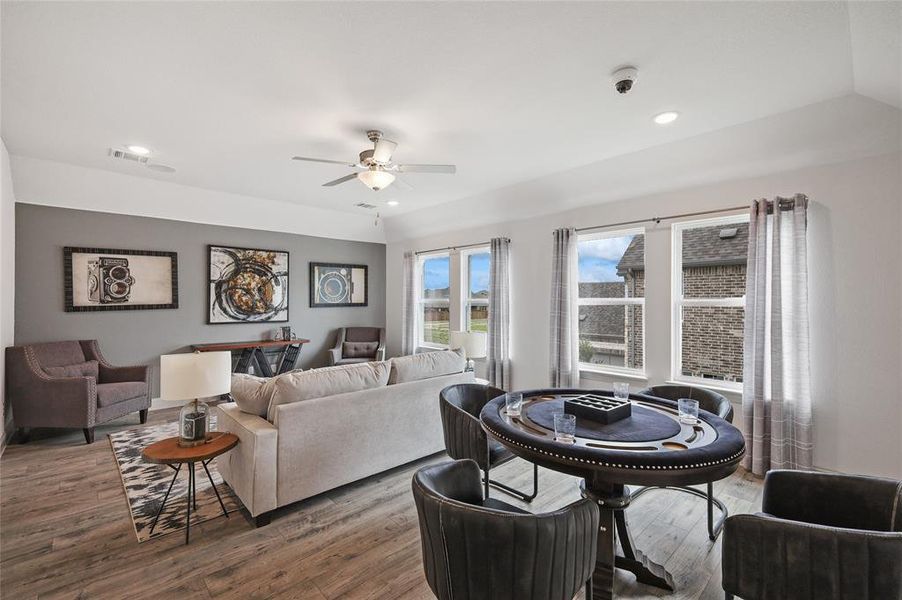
(65, 532)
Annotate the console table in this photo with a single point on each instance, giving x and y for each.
(253, 351)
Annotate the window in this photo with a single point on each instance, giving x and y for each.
(709, 263)
(612, 301)
(435, 300)
(476, 264)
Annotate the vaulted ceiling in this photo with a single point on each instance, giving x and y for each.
(227, 92)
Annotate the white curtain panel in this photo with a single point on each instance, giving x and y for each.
(409, 305)
(564, 310)
(776, 393)
(498, 365)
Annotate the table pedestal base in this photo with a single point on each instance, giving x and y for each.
(612, 500)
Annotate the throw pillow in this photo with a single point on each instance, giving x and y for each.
(359, 349)
(426, 365)
(252, 394)
(318, 383)
(89, 368)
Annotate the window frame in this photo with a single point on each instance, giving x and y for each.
(466, 300)
(678, 302)
(422, 302)
(615, 370)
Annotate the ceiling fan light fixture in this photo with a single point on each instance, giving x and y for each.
(376, 179)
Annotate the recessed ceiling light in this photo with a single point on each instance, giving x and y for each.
(666, 117)
(139, 150)
(393, 203)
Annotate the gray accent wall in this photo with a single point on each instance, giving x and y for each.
(141, 336)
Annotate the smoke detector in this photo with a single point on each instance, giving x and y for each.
(624, 78)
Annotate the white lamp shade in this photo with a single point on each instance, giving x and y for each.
(473, 343)
(375, 179)
(196, 375)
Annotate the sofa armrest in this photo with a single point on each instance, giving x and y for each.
(110, 373)
(39, 400)
(250, 467)
(334, 356)
(380, 353)
(768, 557)
(834, 499)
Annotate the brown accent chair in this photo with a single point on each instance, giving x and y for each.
(358, 345)
(59, 384)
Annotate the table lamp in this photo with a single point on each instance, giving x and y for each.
(473, 343)
(192, 377)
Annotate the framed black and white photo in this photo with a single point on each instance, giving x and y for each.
(247, 285)
(99, 279)
(334, 284)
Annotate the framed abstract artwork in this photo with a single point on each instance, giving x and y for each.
(334, 284)
(247, 285)
(101, 279)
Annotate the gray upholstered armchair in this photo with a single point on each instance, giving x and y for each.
(70, 384)
(358, 345)
(819, 535)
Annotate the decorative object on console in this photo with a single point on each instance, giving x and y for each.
(99, 279)
(192, 377)
(247, 285)
(473, 343)
(43, 393)
(338, 285)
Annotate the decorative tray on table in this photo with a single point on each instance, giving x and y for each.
(602, 409)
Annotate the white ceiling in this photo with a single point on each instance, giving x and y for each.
(228, 92)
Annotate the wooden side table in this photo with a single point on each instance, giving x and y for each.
(253, 351)
(168, 452)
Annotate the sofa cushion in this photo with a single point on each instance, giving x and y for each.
(328, 381)
(88, 368)
(111, 393)
(252, 394)
(426, 365)
(359, 349)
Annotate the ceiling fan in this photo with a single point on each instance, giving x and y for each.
(378, 171)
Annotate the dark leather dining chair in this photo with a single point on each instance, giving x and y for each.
(713, 403)
(819, 535)
(480, 548)
(465, 438)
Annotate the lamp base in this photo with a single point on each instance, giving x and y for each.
(471, 366)
(193, 443)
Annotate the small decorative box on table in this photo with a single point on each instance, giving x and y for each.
(601, 409)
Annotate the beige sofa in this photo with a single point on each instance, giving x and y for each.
(302, 434)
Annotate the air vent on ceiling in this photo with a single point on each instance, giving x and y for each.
(366, 206)
(726, 234)
(123, 155)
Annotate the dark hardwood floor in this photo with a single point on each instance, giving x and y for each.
(65, 532)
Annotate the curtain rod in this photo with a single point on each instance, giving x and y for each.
(667, 218)
(455, 247)
(784, 203)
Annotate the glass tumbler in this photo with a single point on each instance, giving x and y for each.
(622, 391)
(514, 404)
(564, 427)
(688, 410)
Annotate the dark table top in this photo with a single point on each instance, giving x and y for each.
(651, 447)
(221, 346)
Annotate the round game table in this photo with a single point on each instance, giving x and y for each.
(649, 447)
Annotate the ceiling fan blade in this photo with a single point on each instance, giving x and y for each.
(340, 180)
(402, 184)
(383, 150)
(324, 160)
(427, 169)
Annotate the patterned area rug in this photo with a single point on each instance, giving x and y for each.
(145, 485)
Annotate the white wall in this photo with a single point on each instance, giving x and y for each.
(69, 186)
(855, 289)
(7, 276)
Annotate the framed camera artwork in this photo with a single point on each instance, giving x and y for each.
(247, 285)
(99, 279)
(338, 285)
